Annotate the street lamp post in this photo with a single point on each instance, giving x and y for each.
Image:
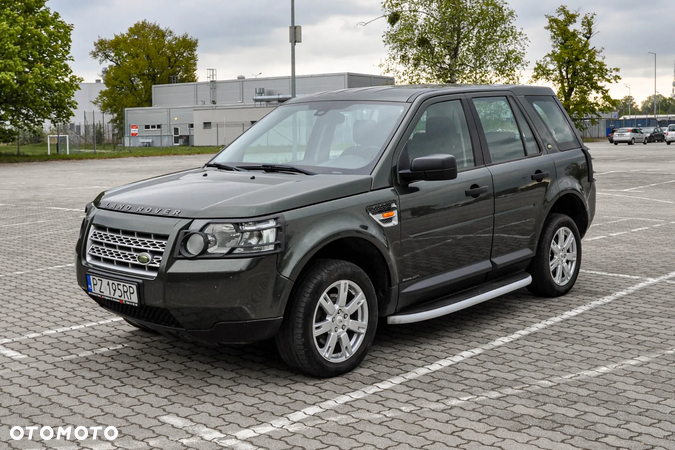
(630, 100)
(657, 122)
(293, 48)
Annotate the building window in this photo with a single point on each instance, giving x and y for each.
(191, 126)
(207, 125)
(147, 127)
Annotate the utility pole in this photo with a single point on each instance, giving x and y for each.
(293, 48)
(657, 122)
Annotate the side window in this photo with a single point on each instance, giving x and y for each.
(555, 121)
(500, 127)
(531, 146)
(443, 129)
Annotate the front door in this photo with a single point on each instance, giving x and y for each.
(446, 226)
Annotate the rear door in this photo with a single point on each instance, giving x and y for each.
(521, 174)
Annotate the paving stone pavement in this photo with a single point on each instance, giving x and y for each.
(592, 370)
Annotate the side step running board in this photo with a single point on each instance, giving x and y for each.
(461, 300)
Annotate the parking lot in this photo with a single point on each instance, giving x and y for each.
(592, 370)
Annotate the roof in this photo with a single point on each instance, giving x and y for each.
(408, 93)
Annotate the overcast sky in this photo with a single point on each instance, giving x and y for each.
(247, 37)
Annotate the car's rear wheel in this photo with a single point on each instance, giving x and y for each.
(331, 321)
(616, 143)
(632, 141)
(555, 267)
(668, 142)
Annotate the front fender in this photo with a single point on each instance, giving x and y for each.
(310, 229)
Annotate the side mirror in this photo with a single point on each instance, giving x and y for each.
(431, 168)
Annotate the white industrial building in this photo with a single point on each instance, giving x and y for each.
(214, 113)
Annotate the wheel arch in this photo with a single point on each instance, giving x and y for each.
(362, 252)
(571, 204)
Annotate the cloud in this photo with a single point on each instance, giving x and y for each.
(243, 37)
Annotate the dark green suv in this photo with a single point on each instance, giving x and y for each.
(344, 208)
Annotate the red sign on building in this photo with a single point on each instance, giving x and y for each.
(134, 130)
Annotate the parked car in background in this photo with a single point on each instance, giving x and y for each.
(670, 134)
(611, 133)
(654, 134)
(629, 136)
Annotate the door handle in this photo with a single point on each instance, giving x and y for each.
(475, 191)
(539, 175)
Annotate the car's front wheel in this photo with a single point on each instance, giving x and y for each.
(645, 141)
(555, 267)
(331, 321)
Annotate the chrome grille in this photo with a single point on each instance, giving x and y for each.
(117, 249)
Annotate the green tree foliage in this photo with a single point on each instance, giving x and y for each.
(576, 68)
(623, 109)
(36, 82)
(143, 56)
(664, 105)
(453, 41)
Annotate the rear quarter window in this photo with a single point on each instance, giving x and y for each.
(555, 121)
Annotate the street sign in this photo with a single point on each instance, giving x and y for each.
(134, 130)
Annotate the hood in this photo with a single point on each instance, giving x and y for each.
(213, 193)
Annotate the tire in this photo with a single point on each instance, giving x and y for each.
(632, 142)
(559, 280)
(644, 142)
(667, 142)
(616, 143)
(140, 327)
(323, 341)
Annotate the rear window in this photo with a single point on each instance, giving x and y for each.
(555, 120)
(623, 130)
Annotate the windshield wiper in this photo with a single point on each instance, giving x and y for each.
(225, 167)
(276, 168)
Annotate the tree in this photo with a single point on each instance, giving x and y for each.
(36, 82)
(624, 110)
(143, 56)
(453, 41)
(664, 105)
(577, 69)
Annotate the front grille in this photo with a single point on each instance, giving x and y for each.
(151, 314)
(117, 249)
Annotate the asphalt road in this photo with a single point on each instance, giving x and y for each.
(592, 370)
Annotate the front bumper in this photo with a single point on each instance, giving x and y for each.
(215, 301)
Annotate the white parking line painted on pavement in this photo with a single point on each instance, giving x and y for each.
(624, 220)
(619, 233)
(98, 351)
(35, 270)
(617, 275)
(238, 439)
(59, 330)
(504, 392)
(44, 207)
(27, 223)
(648, 185)
(636, 198)
(4, 351)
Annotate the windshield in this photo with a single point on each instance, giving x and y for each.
(322, 137)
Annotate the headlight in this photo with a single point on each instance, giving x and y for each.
(234, 238)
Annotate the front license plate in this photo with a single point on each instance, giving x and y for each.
(118, 291)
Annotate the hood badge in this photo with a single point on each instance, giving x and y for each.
(140, 209)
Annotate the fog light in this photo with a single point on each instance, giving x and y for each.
(194, 244)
